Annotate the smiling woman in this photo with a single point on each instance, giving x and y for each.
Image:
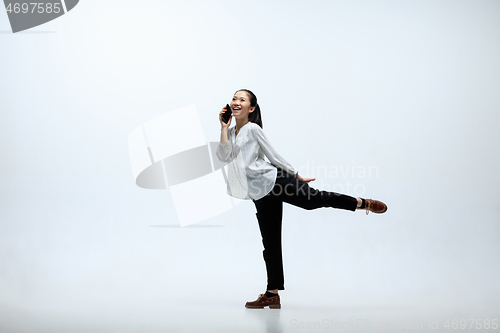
(269, 184)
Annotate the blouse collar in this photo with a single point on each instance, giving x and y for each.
(234, 127)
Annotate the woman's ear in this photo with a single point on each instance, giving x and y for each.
(252, 109)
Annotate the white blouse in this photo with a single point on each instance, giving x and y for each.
(249, 176)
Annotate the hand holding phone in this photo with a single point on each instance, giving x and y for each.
(227, 114)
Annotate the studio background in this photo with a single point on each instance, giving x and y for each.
(409, 89)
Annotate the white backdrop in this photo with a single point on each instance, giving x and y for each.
(405, 89)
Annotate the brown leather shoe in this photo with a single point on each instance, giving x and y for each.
(263, 301)
(378, 207)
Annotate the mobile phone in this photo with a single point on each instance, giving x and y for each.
(226, 115)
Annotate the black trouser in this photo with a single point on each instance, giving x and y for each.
(289, 189)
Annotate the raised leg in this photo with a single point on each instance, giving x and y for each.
(298, 193)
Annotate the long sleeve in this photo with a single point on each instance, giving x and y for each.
(224, 151)
(270, 152)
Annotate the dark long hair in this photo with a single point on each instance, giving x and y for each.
(255, 116)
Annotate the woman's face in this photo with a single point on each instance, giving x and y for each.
(240, 105)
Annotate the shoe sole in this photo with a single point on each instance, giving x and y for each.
(271, 306)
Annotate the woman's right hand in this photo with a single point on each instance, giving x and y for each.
(222, 123)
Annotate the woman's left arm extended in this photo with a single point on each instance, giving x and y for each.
(273, 155)
(270, 152)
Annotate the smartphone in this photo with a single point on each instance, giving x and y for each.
(226, 115)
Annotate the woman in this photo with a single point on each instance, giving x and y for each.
(268, 185)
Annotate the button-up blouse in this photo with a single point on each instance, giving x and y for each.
(249, 176)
